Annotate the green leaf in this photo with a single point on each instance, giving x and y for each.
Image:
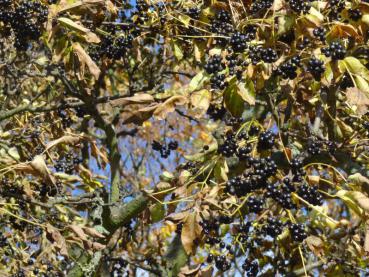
(177, 51)
(197, 81)
(285, 23)
(232, 99)
(247, 91)
(166, 176)
(157, 212)
(362, 84)
(221, 170)
(356, 67)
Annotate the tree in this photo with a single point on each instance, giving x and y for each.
(184, 138)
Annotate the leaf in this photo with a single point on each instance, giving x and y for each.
(177, 51)
(39, 165)
(341, 30)
(247, 91)
(78, 4)
(232, 99)
(343, 194)
(356, 67)
(78, 231)
(92, 232)
(285, 23)
(69, 139)
(315, 244)
(88, 35)
(361, 199)
(361, 84)
(168, 106)
(191, 230)
(356, 97)
(185, 19)
(142, 98)
(315, 17)
(358, 179)
(13, 152)
(200, 100)
(187, 271)
(157, 212)
(197, 81)
(365, 19)
(57, 239)
(366, 241)
(85, 59)
(221, 170)
(138, 116)
(97, 153)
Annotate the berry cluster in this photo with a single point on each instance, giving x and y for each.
(298, 232)
(216, 112)
(67, 163)
(314, 147)
(335, 50)
(260, 6)
(164, 149)
(310, 194)
(266, 140)
(355, 14)
(26, 20)
(251, 268)
(218, 82)
(299, 6)
(267, 55)
(273, 228)
(255, 204)
(316, 68)
(288, 69)
(238, 42)
(319, 33)
(281, 193)
(214, 65)
(229, 147)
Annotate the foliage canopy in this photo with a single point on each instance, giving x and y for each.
(184, 138)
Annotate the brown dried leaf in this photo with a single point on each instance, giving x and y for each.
(206, 272)
(77, 26)
(57, 239)
(190, 232)
(169, 106)
(66, 5)
(98, 154)
(341, 30)
(358, 98)
(69, 139)
(187, 271)
(78, 231)
(39, 165)
(138, 116)
(361, 199)
(136, 99)
(85, 59)
(93, 232)
(316, 245)
(366, 241)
